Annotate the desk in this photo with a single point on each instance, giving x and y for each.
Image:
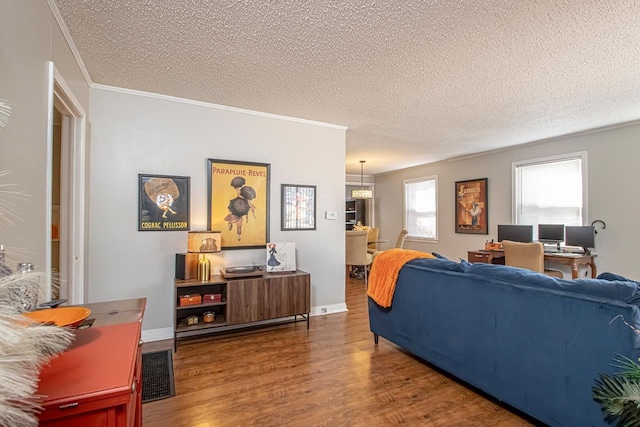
(496, 256)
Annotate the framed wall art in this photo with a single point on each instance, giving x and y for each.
(163, 202)
(281, 256)
(471, 207)
(238, 202)
(298, 207)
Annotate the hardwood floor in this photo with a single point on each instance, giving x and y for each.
(329, 375)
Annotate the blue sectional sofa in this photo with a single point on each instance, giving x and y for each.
(535, 342)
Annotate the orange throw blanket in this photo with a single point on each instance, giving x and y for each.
(384, 273)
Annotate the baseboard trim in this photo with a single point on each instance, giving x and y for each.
(157, 334)
(329, 309)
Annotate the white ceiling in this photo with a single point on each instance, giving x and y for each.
(414, 81)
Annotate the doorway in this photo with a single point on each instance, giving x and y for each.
(66, 192)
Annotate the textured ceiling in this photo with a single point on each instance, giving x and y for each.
(414, 81)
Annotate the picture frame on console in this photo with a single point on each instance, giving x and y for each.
(238, 202)
(472, 207)
(298, 207)
(163, 202)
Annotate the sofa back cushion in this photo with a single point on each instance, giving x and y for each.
(437, 263)
(617, 290)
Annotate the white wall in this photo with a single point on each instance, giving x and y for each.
(29, 39)
(612, 162)
(134, 133)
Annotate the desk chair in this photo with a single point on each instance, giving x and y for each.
(372, 237)
(356, 251)
(527, 255)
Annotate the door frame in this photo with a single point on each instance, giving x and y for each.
(72, 188)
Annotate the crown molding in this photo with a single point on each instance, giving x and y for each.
(211, 105)
(67, 36)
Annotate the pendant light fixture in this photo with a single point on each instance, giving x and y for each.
(361, 193)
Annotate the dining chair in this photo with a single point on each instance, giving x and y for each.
(401, 237)
(372, 236)
(356, 251)
(527, 255)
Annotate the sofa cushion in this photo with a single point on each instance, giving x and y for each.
(437, 255)
(614, 277)
(617, 290)
(437, 263)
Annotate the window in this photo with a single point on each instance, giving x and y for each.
(421, 207)
(550, 190)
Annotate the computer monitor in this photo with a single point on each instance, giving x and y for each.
(580, 235)
(551, 233)
(515, 233)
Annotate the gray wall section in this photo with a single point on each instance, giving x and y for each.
(29, 39)
(134, 133)
(612, 162)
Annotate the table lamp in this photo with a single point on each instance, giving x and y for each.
(204, 242)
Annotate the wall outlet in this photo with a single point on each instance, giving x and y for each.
(323, 310)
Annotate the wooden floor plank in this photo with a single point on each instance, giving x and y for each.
(329, 375)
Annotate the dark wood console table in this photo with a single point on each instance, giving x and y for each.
(573, 260)
(245, 302)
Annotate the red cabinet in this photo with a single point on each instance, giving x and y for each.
(97, 381)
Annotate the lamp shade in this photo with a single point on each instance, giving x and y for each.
(361, 193)
(204, 241)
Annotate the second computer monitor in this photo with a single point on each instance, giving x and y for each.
(551, 233)
(583, 236)
(515, 233)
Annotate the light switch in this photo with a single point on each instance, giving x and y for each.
(331, 215)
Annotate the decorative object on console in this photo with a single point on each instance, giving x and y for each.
(238, 202)
(298, 207)
(208, 316)
(472, 206)
(204, 242)
(190, 299)
(186, 266)
(208, 298)
(281, 256)
(361, 193)
(163, 202)
(59, 316)
(241, 271)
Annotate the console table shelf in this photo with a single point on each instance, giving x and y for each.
(207, 304)
(246, 302)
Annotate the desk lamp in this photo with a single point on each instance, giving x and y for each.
(204, 242)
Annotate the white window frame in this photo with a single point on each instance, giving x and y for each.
(404, 207)
(582, 155)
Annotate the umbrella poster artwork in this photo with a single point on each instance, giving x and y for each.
(163, 203)
(238, 203)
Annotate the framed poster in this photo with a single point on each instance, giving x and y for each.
(163, 202)
(298, 207)
(281, 256)
(238, 202)
(471, 207)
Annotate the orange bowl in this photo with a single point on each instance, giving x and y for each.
(60, 316)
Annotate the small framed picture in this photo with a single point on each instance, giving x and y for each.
(163, 202)
(471, 207)
(298, 207)
(281, 257)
